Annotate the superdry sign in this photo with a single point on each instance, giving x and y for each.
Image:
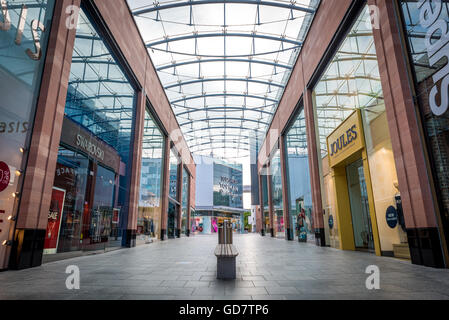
(436, 43)
(346, 139)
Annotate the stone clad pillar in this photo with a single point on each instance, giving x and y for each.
(314, 168)
(136, 165)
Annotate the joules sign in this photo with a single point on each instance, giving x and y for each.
(346, 139)
(36, 25)
(432, 19)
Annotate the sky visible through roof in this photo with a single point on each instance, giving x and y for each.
(224, 66)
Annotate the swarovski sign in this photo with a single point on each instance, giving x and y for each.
(89, 146)
(430, 12)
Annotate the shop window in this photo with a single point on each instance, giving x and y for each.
(91, 179)
(151, 177)
(431, 86)
(352, 126)
(277, 191)
(298, 177)
(174, 167)
(185, 200)
(265, 206)
(21, 65)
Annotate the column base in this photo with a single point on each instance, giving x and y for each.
(163, 234)
(425, 247)
(130, 238)
(290, 235)
(27, 249)
(272, 232)
(320, 238)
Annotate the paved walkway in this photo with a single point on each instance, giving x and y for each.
(267, 269)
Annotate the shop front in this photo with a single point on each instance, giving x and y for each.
(88, 208)
(24, 32)
(150, 200)
(426, 34)
(302, 227)
(361, 198)
(208, 222)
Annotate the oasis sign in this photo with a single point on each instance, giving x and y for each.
(35, 25)
(431, 19)
(346, 139)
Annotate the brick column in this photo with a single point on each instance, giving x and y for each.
(136, 165)
(314, 169)
(165, 189)
(285, 187)
(260, 214)
(35, 199)
(270, 200)
(408, 144)
(179, 198)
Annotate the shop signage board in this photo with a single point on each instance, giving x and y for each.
(54, 221)
(80, 139)
(433, 21)
(346, 139)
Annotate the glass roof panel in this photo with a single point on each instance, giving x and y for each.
(224, 65)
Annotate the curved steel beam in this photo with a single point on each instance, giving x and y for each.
(223, 108)
(223, 34)
(223, 95)
(217, 135)
(175, 85)
(244, 148)
(222, 118)
(227, 56)
(219, 141)
(174, 65)
(220, 127)
(200, 2)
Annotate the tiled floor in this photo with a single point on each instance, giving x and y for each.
(267, 269)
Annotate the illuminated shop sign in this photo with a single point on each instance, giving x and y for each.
(36, 25)
(430, 12)
(346, 139)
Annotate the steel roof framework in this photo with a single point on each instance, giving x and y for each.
(224, 64)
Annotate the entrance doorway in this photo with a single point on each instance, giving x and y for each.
(358, 197)
(172, 222)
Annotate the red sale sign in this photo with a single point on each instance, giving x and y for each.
(5, 176)
(54, 220)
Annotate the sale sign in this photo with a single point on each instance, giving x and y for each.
(54, 221)
(5, 176)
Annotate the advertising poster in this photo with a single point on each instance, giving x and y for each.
(54, 221)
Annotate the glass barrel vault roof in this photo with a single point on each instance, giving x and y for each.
(224, 64)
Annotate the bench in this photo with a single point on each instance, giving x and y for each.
(226, 267)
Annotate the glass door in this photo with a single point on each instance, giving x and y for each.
(172, 220)
(358, 197)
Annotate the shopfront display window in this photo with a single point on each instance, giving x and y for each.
(298, 177)
(277, 193)
(185, 202)
(150, 199)
(21, 65)
(95, 144)
(174, 167)
(352, 126)
(265, 206)
(429, 56)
